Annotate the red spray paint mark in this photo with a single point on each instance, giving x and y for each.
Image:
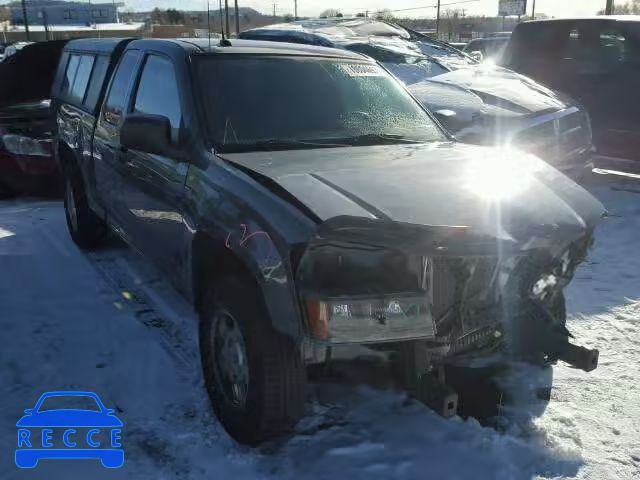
(244, 237)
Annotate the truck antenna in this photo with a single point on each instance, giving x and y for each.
(209, 24)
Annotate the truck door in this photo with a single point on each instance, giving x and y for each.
(106, 145)
(151, 186)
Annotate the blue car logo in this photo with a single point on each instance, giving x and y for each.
(53, 430)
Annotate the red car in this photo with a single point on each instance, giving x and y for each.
(26, 161)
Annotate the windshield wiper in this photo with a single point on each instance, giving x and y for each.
(278, 144)
(377, 139)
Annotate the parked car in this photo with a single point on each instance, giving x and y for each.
(302, 200)
(26, 159)
(499, 35)
(14, 48)
(490, 48)
(458, 45)
(596, 61)
(480, 104)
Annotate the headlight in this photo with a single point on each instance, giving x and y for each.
(360, 320)
(21, 145)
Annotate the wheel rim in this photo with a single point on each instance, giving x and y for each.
(230, 361)
(71, 206)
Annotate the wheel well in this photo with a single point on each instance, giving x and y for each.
(212, 261)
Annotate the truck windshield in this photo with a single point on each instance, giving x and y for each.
(270, 103)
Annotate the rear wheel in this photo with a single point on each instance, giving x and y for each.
(255, 376)
(86, 229)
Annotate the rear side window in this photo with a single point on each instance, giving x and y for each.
(115, 104)
(100, 66)
(76, 77)
(159, 97)
(79, 86)
(70, 75)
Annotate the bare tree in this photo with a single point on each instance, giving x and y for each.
(630, 8)
(330, 13)
(385, 15)
(5, 14)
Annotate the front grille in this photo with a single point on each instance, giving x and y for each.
(448, 279)
(558, 137)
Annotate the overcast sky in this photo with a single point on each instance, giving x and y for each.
(310, 8)
(556, 8)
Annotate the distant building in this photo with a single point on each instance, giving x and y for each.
(56, 12)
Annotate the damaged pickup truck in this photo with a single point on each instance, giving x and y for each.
(303, 200)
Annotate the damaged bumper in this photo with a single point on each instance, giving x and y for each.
(365, 283)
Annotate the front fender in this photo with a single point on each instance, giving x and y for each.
(245, 221)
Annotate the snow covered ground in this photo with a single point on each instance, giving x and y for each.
(106, 323)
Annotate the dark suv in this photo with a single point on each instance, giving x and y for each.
(304, 201)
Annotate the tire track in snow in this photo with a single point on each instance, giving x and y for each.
(135, 294)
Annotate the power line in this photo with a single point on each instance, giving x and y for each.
(432, 6)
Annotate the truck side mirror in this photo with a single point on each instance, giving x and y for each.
(147, 133)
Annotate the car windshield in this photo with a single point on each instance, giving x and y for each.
(408, 66)
(255, 103)
(69, 402)
(447, 56)
(415, 69)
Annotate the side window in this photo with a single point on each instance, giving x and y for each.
(70, 75)
(117, 97)
(82, 78)
(97, 80)
(159, 97)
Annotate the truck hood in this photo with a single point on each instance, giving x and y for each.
(490, 193)
(27, 76)
(490, 90)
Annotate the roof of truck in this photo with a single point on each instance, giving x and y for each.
(203, 45)
(98, 45)
(265, 47)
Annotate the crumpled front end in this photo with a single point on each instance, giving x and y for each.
(459, 295)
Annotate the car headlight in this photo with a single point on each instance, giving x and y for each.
(21, 145)
(361, 320)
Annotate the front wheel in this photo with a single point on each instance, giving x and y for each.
(255, 376)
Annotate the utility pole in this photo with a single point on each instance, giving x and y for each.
(295, 9)
(438, 20)
(45, 23)
(226, 17)
(274, 10)
(24, 17)
(533, 11)
(237, 19)
(609, 8)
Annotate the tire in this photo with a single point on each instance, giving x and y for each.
(259, 394)
(87, 230)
